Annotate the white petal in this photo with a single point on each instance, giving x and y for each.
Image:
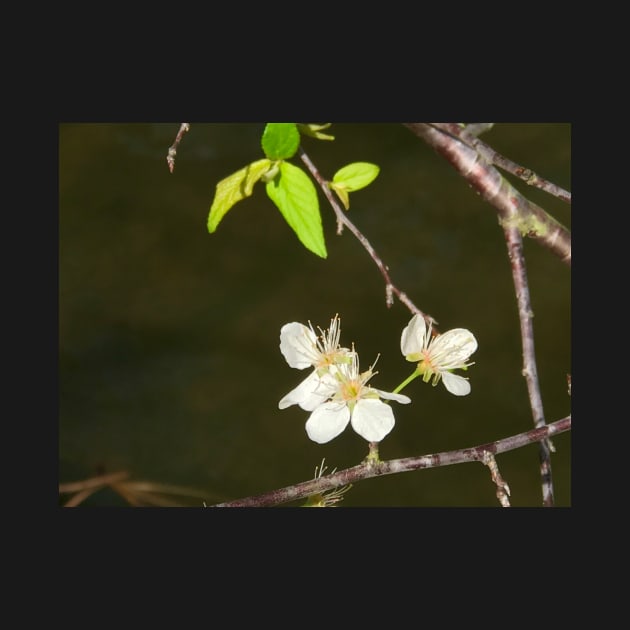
(310, 393)
(456, 384)
(453, 348)
(372, 419)
(327, 422)
(298, 345)
(413, 336)
(401, 398)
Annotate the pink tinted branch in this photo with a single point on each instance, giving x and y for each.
(519, 276)
(526, 174)
(370, 469)
(531, 220)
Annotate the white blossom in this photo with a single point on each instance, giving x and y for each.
(438, 356)
(302, 348)
(354, 402)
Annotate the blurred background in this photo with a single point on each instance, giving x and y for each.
(169, 364)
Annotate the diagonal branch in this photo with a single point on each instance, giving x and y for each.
(342, 219)
(514, 209)
(369, 469)
(172, 151)
(468, 135)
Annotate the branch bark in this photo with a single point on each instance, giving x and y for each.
(468, 135)
(376, 469)
(513, 208)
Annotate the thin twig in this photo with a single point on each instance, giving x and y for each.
(513, 208)
(150, 487)
(170, 158)
(136, 493)
(140, 498)
(530, 371)
(92, 482)
(366, 470)
(469, 133)
(127, 494)
(80, 496)
(342, 219)
(526, 174)
(503, 490)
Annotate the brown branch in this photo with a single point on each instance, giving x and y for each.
(170, 158)
(516, 213)
(342, 219)
(375, 469)
(513, 208)
(135, 493)
(530, 371)
(468, 135)
(503, 490)
(92, 482)
(519, 275)
(79, 497)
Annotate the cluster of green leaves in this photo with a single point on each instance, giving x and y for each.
(288, 186)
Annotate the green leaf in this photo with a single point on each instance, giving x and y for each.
(315, 131)
(280, 141)
(295, 196)
(342, 192)
(234, 188)
(356, 175)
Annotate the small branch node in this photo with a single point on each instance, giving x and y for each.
(503, 490)
(339, 226)
(389, 295)
(172, 151)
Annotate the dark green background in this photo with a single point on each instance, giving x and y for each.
(168, 336)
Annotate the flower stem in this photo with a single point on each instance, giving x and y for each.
(406, 382)
(372, 459)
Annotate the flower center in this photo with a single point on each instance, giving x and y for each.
(426, 367)
(350, 390)
(332, 357)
